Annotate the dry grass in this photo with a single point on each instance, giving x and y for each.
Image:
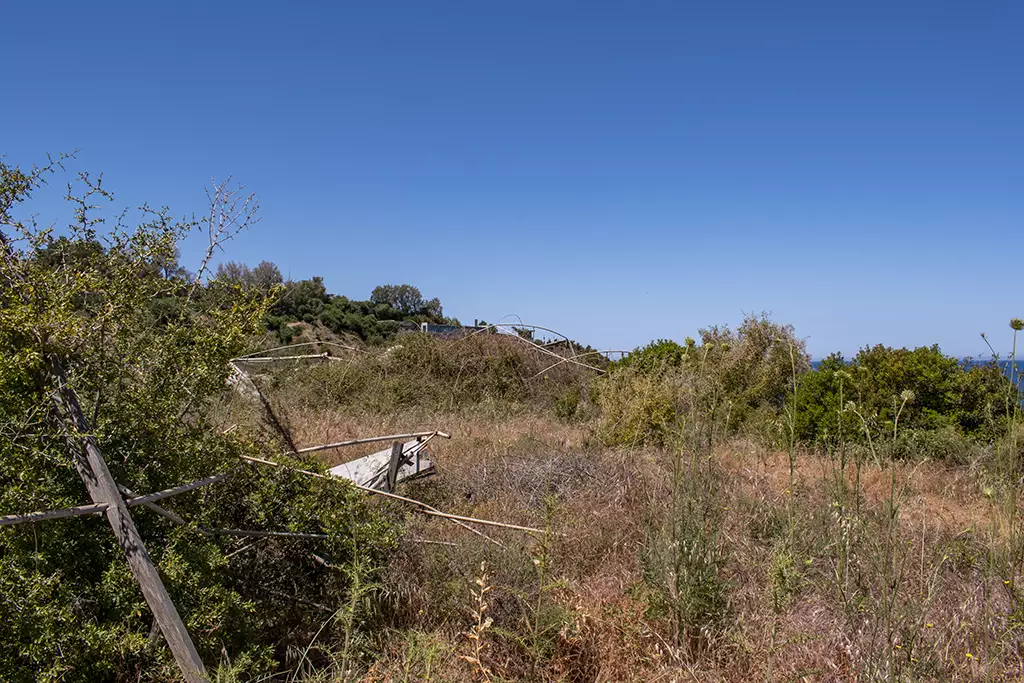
(946, 498)
(844, 595)
(505, 469)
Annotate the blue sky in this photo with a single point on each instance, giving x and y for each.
(618, 171)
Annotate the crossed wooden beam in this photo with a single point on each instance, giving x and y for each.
(106, 497)
(96, 508)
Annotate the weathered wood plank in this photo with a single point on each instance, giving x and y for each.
(167, 514)
(92, 509)
(371, 439)
(167, 493)
(103, 491)
(396, 460)
(373, 470)
(97, 508)
(274, 359)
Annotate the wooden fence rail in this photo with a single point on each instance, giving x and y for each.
(96, 508)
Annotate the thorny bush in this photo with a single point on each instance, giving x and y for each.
(148, 360)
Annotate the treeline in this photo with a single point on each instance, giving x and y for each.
(758, 380)
(843, 399)
(372, 321)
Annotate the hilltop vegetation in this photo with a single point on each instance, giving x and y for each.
(716, 508)
(307, 301)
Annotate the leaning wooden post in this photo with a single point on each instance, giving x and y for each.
(103, 490)
(396, 461)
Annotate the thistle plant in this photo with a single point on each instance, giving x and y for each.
(791, 425)
(481, 623)
(905, 397)
(841, 511)
(1016, 324)
(546, 618)
(1012, 464)
(842, 376)
(893, 575)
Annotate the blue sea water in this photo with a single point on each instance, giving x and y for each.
(1004, 364)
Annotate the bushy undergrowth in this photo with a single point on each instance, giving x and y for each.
(970, 399)
(742, 383)
(422, 372)
(731, 381)
(92, 307)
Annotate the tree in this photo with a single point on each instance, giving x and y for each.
(433, 308)
(231, 212)
(303, 300)
(233, 272)
(265, 277)
(403, 298)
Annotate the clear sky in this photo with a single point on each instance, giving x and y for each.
(618, 171)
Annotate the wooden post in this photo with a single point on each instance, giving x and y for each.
(103, 490)
(396, 461)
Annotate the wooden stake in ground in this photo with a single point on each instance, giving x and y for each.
(396, 461)
(103, 491)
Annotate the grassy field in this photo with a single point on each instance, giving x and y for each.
(714, 509)
(735, 558)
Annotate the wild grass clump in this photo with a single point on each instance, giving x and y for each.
(731, 381)
(424, 373)
(684, 556)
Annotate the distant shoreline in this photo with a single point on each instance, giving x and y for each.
(967, 361)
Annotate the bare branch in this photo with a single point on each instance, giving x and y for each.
(231, 212)
(94, 189)
(577, 357)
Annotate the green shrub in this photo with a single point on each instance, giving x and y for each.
(638, 407)
(949, 395)
(567, 406)
(947, 444)
(658, 356)
(822, 395)
(714, 387)
(148, 377)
